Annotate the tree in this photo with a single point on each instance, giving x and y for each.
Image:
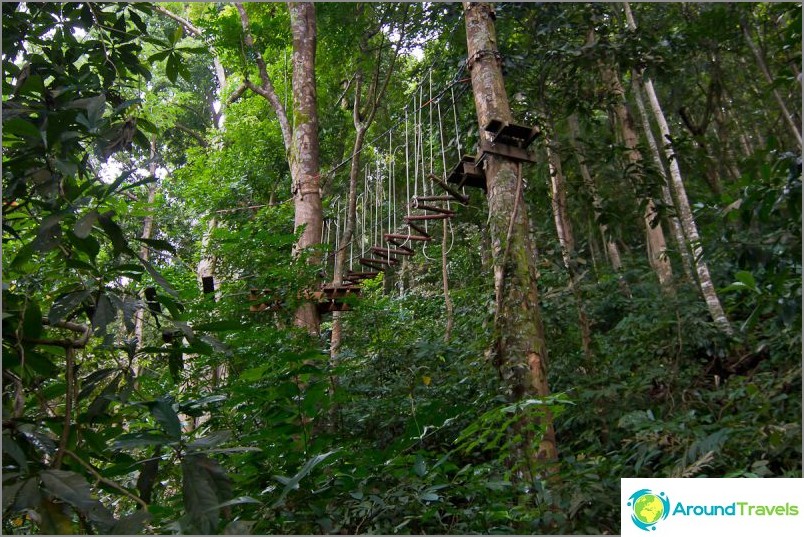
(520, 349)
(687, 220)
(300, 136)
(656, 244)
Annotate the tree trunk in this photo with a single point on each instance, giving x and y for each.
(521, 352)
(303, 155)
(788, 117)
(656, 244)
(687, 221)
(667, 198)
(566, 241)
(300, 137)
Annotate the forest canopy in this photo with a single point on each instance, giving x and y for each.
(394, 267)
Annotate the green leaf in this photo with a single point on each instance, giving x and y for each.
(142, 439)
(64, 305)
(162, 411)
(114, 232)
(159, 56)
(747, 279)
(158, 278)
(292, 483)
(105, 313)
(32, 320)
(83, 227)
(131, 524)
(74, 489)
(172, 68)
(21, 128)
(205, 486)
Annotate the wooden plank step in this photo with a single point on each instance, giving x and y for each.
(400, 245)
(373, 265)
(511, 134)
(418, 228)
(453, 192)
(434, 198)
(441, 210)
(391, 251)
(417, 217)
(360, 275)
(407, 237)
(380, 261)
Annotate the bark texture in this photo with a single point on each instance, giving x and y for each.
(521, 352)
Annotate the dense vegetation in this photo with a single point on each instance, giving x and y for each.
(141, 152)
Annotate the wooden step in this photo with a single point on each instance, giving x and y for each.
(441, 210)
(400, 245)
(435, 198)
(453, 192)
(380, 261)
(418, 228)
(391, 251)
(420, 217)
(389, 236)
(360, 275)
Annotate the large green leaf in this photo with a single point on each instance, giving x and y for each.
(162, 411)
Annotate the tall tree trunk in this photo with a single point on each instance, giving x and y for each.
(304, 150)
(656, 244)
(683, 206)
(521, 351)
(566, 241)
(788, 117)
(667, 198)
(300, 137)
(591, 186)
(687, 221)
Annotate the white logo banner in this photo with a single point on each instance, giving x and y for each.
(709, 506)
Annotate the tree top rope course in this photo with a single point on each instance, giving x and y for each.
(388, 232)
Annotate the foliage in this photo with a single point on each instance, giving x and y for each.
(135, 403)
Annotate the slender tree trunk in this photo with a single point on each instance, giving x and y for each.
(788, 117)
(683, 206)
(147, 232)
(667, 198)
(591, 186)
(656, 244)
(521, 351)
(566, 241)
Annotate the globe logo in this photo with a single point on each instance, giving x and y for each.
(648, 508)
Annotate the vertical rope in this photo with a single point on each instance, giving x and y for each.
(443, 149)
(407, 165)
(455, 118)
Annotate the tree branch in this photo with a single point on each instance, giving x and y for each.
(200, 139)
(266, 88)
(105, 481)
